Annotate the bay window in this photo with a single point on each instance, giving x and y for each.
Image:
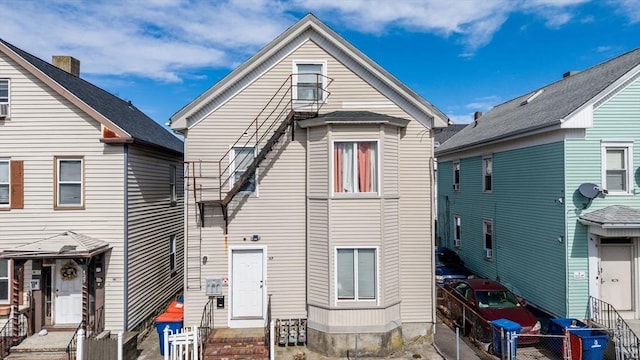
(355, 167)
(356, 274)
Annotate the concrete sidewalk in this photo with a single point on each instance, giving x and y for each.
(446, 343)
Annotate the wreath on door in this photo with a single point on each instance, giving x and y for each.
(69, 271)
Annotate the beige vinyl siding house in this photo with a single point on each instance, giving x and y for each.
(118, 232)
(298, 230)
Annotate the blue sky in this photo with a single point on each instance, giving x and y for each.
(461, 55)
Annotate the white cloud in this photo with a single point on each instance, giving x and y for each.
(165, 39)
(628, 8)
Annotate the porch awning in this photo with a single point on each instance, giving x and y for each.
(65, 245)
(615, 220)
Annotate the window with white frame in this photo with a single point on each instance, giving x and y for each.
(172, 184)
(457, 230)
(242, 157)
(487, 230)
(355, 167)
(5, 182)
(617, 162)
(4, 280)
(4, 97)
(356, 273)
(487, 174)
(456, 175)
(172, 253)
(69, 182)
(309, 80)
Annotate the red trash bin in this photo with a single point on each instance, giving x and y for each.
(176, 307)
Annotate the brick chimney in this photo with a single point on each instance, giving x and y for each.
(67, 63)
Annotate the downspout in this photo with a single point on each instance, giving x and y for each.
(434, 291)
(126, 238)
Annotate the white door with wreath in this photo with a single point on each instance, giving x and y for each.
(67, 293)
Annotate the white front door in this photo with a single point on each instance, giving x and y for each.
(247, 284)
(615, 275)
(68, 292)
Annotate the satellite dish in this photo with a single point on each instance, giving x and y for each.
(589, 190)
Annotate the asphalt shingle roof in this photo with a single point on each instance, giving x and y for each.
(556, 101)
(614, 215)
(133, 121)
(444, 134)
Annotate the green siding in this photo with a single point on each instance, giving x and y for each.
(617, 118)
(527, 220)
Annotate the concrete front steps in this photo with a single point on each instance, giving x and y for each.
(236, 344)
(44, 355)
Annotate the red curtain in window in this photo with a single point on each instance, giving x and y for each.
(364, 166)
(338, 154)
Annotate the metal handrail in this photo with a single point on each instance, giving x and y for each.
(6, 339)
(605, 315)
(279, 106)
(267, 326)
(206, 324)
(71, 347)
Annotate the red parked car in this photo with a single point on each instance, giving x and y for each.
(492, 301)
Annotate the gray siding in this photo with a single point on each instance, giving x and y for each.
(152, 221)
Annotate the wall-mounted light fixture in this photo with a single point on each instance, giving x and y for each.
(560, 239)
(204, 260)
(255, 237)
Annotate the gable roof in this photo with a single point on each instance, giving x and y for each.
(120, 116)
(544, 108)
(307, 28)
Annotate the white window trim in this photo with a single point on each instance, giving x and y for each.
(488, 253)
(456, 185)
(457, 223)
(332, 170)
(335, 276)
(627, 146)
(173, 196)
(8, 102)
(8, 161)
(9, 282)
(173, 252)
(484, 173)
(294, 81)
(58, 182)
(232, 169)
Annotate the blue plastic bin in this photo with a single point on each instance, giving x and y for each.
(593, 343)
(586, 343)
(173, 320)
(501, 328)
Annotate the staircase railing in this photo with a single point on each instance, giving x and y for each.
(8, 338)
(206, 324)
(605, 315)
(71, 347)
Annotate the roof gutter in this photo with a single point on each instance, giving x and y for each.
(512, 136)
(610, 225)
(125, 287)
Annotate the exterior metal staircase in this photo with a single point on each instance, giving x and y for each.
(214, 183)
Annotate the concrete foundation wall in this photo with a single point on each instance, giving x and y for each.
(344, 345)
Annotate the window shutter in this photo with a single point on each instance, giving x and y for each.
(17, 184)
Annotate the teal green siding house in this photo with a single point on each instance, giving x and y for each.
(542, 192)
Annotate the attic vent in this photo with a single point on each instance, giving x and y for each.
(530, 98)
(108, 133)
